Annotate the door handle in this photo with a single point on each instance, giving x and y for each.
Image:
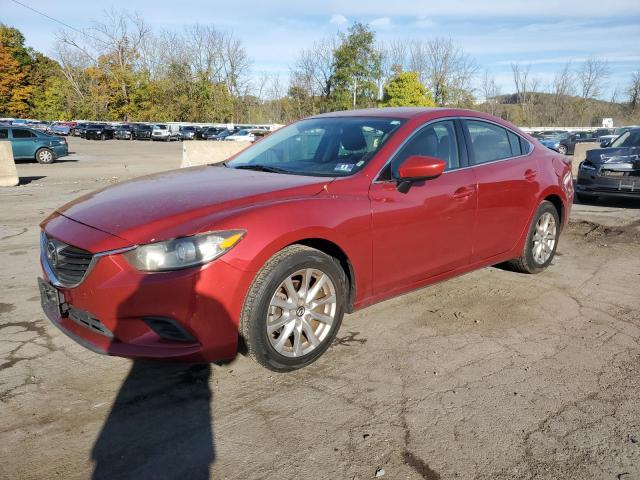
(463, 192)
(530, 174)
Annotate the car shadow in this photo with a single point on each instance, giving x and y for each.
(611, 202)
(161, 422)
(160, 425)
(28, 180)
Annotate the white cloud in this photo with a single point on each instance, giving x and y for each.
(338, 19)
(424, 22)
(384, 22)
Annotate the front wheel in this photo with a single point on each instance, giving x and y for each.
(562, 149)
(45, 156)
(542, 241)
(294, 308)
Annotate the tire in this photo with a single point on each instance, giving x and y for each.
(45, 156)
(296, 263)
(563, 149)
(533, 259)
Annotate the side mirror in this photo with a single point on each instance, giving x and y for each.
(418, 168)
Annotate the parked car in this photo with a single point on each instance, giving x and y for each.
(325, 216)
(141, 131)
(97, 131)
(603, 132)
(60, 129)
(27, 143)
(246, 135)
(612, 171)
(123, 132)
(188, 132)
(223, 134)
(79, 130)
(165, 132)
(210, 132)
(567, 145)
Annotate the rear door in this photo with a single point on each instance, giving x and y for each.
(508, 185)
(428, 230)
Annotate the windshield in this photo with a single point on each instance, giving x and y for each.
(332, 146)
(630, 138)
(161, 127)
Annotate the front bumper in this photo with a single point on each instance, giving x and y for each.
(619, 180)
(202, 302)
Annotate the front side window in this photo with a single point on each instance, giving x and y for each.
(331, 146)
(22, 133)
(435, 140)
(490, 142)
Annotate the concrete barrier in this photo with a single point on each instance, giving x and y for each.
(207, 152)
(580, 153)
(8, 172)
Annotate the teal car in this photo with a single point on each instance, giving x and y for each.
(32, 144)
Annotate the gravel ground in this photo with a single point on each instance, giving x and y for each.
(491, 375)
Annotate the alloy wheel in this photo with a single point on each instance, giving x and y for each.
(544, 238)
(301, 312)
(45, 156)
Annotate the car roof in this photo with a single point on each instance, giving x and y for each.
(402, 112)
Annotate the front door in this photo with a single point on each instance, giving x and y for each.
(429, 229)
(23, 143)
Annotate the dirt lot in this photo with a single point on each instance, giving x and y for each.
(491, 375)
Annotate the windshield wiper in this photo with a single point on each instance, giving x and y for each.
(262, 168)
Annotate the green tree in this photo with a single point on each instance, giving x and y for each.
(356, 69)
(406, 90)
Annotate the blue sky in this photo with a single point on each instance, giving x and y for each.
(544, 33)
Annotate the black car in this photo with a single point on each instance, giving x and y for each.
(123, 132)
(141, 131)
(80, 130)
(567, 144)
(210, 132)
(97, 131)
(612, 171)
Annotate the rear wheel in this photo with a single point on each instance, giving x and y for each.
(542, 241)
(45, 156)
(294, 308)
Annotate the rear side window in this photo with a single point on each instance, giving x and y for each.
(21, 133)
(514, 143)
(491, 142)
(435, 140)
(4, 133)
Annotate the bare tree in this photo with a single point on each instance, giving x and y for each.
(526, 89)
(445, 68)
(490, 92)
(591, 75)
(634, 91)
(562, 88)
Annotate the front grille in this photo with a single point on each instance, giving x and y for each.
(68, 264)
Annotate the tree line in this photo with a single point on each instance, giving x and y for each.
(119, 69)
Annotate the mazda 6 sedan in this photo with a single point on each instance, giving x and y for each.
(265, 253)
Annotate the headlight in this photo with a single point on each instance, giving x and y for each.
(183, 252)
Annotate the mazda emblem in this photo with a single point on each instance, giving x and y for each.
(52, 254)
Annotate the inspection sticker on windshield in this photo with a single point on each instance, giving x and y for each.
(343, 167)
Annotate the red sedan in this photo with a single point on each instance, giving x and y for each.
(325, 216)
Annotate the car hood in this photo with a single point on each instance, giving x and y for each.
(614, 155)
(183, 202)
